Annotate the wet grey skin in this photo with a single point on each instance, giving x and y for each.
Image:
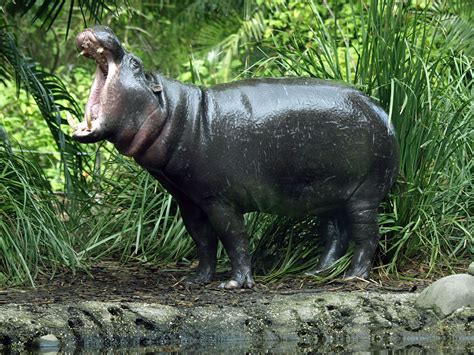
(287, 146)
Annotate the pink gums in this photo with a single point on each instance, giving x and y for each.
(93, 103)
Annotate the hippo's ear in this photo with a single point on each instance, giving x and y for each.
(156, 88)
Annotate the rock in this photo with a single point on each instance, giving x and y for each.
(448, 294)
(48, 341)
(470, 269)
(306, 322)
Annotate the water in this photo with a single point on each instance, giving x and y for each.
(410, 345)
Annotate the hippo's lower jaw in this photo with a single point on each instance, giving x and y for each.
(89, 131)
(85, 135)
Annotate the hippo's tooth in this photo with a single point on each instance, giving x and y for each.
(72, 121)
(100, 50)
(89, 120)
(81, 53)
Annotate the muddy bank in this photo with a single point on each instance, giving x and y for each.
(323, 321)
(150, 307)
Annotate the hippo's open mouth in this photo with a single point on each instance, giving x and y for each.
(104, 52)
(91, 48)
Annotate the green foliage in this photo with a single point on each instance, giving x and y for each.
(33, 234)
(29, 132)
(128, 215)
(47, 91)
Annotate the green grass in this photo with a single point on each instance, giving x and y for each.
(127, 215)
(33, 234)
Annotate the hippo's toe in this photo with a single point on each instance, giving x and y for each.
(244, 282)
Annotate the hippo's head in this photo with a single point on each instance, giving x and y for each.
(121, 97)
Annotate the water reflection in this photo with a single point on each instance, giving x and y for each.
(361, 346)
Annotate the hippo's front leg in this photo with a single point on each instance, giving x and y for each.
(204, 236)
(229, 225)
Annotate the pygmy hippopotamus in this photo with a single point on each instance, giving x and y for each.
(288, 146)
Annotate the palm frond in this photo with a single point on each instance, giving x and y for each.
(50, 95)
(226, 37)
(196, 12)
(455, 21)
(49, 10)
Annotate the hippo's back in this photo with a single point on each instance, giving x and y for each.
(306, 117)
(267, 98)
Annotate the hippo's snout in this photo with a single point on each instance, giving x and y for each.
(95, 41)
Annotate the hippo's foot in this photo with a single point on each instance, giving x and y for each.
(199, 277)
(333, 230)
(358, 272)
(239, 281)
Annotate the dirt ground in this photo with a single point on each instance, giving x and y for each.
(114, 282)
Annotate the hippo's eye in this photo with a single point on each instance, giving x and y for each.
(134, 64)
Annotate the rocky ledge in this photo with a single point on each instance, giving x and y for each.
(319, 321)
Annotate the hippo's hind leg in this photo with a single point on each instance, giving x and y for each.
(362, 213)
(333, 230)
(229, 225)
(364, 231)
(204, 236)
